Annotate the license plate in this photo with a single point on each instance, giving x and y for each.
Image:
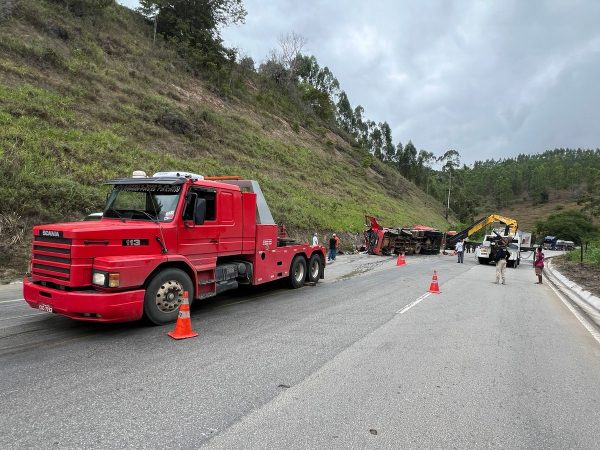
(44, 307)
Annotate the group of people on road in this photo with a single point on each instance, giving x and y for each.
(502, 256)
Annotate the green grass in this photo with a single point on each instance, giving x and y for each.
(75, 112)
(591, 256)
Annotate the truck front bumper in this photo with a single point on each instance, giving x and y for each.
(93, 306)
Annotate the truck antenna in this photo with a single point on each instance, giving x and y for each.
(160, 239)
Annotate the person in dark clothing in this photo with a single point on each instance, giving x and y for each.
(538, 264)
(502, 256)
(333, 244)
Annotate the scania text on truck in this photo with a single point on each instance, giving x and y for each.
(158, 237)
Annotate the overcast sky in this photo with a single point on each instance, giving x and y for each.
(488, 78)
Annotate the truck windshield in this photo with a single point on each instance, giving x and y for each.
(143, 202)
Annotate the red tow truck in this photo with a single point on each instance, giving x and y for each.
(158, 237)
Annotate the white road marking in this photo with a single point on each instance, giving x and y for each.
(13, 301)
(416, 302)
(577, 314)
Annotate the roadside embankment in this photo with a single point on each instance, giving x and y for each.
(583, 298)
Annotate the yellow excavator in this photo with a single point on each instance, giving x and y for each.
(510, 230)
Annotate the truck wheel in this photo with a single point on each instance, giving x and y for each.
(314, 268)
(298, 272)
(483, 260)
(418, 249)
(164, 295)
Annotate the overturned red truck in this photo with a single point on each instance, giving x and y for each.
(420, 239)
(158, 237)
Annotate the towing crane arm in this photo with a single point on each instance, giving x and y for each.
(511, 227)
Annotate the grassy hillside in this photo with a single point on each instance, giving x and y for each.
(86, 99)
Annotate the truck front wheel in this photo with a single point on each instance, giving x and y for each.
(298, 272)
(164, 295)
(314, 268)
(483, 260)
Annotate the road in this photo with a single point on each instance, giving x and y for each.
(363, 359)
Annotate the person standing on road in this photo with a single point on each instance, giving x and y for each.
(460, 250)
(502, 255)
(333, 242)
(538, 264)
(315, 239)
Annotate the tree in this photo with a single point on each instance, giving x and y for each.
(361, 128)
(389, 152)
(376, 139)
(591, 199)
(450, 161)
(424, 160)
(399, 158)
(290, 48)
(345, 115)
(569, 225)
(195, 24)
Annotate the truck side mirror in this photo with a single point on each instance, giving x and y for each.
(199, 211)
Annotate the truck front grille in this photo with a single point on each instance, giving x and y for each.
(51, 258)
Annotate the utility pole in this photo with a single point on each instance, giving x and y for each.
(449, 188)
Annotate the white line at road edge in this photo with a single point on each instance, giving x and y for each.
(577, 314)
(410, 305)
(12, 301)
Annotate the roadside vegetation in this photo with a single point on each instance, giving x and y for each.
(591, 254)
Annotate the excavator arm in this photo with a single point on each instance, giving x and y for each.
(511, 226)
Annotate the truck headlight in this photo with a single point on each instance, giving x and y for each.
(106, 279)
(99, 278)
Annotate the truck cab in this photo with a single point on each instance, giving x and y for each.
(486, 252)
(157, 238)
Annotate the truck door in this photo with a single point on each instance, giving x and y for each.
(198, 242)
(229, 210)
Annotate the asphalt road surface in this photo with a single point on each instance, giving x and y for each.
(361, 360)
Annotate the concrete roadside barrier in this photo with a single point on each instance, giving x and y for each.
(587, 301)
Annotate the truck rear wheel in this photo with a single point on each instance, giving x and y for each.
(314, 268)
(298, 272)
(164, 295)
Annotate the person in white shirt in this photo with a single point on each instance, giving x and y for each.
(460, 250)
(315, 239)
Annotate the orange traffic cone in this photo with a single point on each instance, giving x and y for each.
(400, 261)
(183, 326)
(433, 287)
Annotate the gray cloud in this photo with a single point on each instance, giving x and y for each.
(488, 78)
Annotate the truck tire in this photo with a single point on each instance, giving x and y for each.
(164, 295)
(315, 265)
(298, 272)
(418, 248)
(483, 260)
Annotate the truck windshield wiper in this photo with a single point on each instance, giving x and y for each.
(153, 219)
(116, 213)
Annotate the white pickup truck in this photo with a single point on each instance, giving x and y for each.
(486, 252)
